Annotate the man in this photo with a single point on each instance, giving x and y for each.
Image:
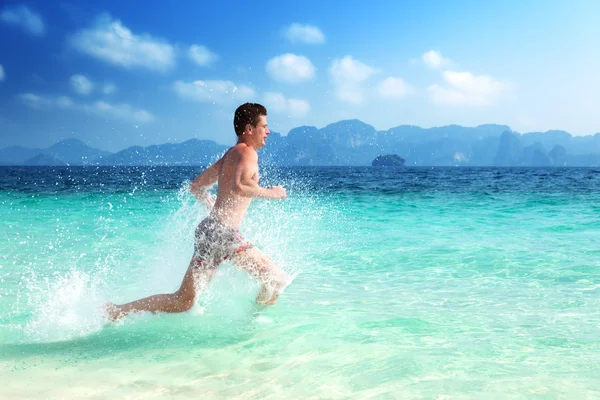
(217, 237)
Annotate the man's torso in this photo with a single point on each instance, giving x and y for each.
(229, 207)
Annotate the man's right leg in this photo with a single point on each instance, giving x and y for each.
(257, 264)
(194, 281)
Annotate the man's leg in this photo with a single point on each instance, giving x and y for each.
(194, 281)
(257, 264)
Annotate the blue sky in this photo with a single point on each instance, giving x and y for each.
(116, 74)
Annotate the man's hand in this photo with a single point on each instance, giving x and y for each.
(278, 193)
(206, 198)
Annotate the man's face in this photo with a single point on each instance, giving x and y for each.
(261, 131)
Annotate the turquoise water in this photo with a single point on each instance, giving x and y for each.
(405, 283)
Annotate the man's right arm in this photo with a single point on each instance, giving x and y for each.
(244, 182)
(203, 181)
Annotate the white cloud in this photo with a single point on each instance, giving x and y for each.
(119, 111)
(351, 70)
(278, 103)
(64, 102)
(114, 43)
(348, 77)
(109, 88)
(1, 73)
(202, 55)
(393, 88)
(103, 109)
(298, 33)
(290, 68)
(466, 89)
(219, 92)
(24, 17)
(81, 84)
(33, 100)
(434, 59)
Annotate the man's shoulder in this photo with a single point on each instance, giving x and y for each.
(244, 151)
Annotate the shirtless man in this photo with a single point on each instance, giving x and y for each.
(217, 237)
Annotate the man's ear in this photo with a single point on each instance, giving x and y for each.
(248, 128)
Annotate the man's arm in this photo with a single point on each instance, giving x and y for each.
(244, 183)
(206, 179)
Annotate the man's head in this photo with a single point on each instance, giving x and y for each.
(247, 114)
(250, 124)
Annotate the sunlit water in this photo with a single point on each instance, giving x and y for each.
(405, 283)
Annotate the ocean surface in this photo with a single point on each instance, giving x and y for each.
(406, 283)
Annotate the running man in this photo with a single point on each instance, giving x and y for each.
(217, 237)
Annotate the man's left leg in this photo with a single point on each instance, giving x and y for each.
(194, 281)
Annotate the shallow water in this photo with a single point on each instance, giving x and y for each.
(407, 283)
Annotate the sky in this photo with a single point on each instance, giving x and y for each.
(116, 74)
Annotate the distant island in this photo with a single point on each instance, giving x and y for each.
(388, 160)
(43, 160)
(347, 143)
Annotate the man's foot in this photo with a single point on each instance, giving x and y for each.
(269, 302)
(113, 312)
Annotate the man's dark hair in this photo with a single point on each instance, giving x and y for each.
(247, 113)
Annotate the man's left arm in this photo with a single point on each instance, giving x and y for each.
(206, 179)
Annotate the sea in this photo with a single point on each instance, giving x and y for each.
(404, 283)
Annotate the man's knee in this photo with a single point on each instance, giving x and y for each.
(184, 300)
(278, 280)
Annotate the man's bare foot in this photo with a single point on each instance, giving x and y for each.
(269, 302)
(113, 312)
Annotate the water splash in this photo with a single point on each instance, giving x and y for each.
(126, 262)
(64, 309)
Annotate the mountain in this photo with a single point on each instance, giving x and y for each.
(69, 151)
(43, 160)
(74, 152)
(352, 142)
(349, 142)
(548, 139)
(16, 155)
(558, 155)
(536, 156)
(190, 152)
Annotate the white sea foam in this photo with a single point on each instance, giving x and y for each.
(65, 308)
(69, 303)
